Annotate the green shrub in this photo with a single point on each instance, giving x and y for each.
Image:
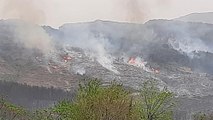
(94, 102)
(155, 104)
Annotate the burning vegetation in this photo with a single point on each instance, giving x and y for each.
(58, 57)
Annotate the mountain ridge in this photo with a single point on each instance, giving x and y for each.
(177, 54)
(206, 17)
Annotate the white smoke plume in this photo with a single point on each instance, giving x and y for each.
(32, 36)
(189, 45)
(26, 10)
(96, 46)
(184, 40)
(27, 14)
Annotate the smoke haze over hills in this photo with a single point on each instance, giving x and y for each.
(56, 13)
(177, 53)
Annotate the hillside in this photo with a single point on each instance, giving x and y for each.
(177, 54)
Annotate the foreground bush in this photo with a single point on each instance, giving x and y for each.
(155, 104)
(96, 102)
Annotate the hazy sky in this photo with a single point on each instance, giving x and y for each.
(58, 12)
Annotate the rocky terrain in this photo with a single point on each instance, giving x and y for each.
(177, 54)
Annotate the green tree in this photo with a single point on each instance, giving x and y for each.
(94, 102)
(155, 104)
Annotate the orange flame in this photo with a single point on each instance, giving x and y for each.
(132, 60)
(157, 71)
(67, 58)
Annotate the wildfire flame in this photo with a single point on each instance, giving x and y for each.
(157, 71)
(66, 58)
(132, 60)
(138, 62)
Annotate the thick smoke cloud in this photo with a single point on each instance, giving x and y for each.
(106, 42)
(186, 40)
(96, 46)
(26, 32)
(101, 47)
(33, 37)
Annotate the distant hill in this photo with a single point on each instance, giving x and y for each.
(177, 54)
(198, 17)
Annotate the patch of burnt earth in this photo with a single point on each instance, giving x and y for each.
(30, 67)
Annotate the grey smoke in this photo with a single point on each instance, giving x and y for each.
(31, 36)
(26, 10)
(95, 46)
(106, 41)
